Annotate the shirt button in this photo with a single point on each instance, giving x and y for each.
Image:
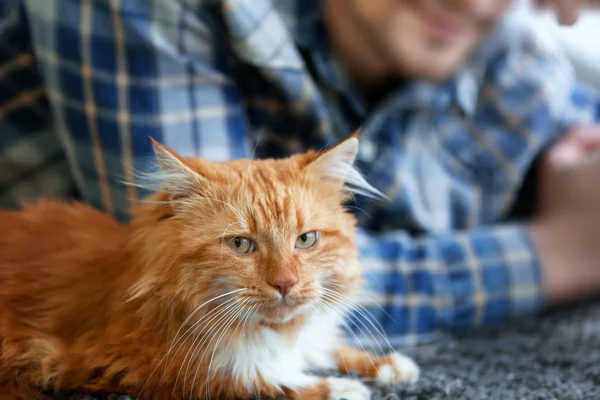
(367, 150)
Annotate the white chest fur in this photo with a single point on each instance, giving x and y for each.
(277, 359)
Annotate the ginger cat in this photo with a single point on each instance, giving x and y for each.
(230, 282)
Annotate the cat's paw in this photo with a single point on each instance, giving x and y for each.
(398, 368)
(347, 389)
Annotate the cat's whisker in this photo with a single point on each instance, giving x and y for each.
(353, 198)
(222, 327)
(193, 329)
(201, 338)
(366, 315)
(316, 308)
(357, 305)
(361, 292)
(198, 330)
(166, 311)
(256, 144)
(236, 317)
(366, 331)
(202, 305)
(173, 343)
(245, 318)
(192, 348)
(359, 209)
(345, 325)
(219, 310)
(189, 332)
(349, 330)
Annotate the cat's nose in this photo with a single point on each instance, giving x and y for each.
(284, 285)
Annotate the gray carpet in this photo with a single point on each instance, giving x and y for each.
(554, 356)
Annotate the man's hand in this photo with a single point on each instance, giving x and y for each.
(573, 165)
(567, 11)
(574, 147)
(567, 227)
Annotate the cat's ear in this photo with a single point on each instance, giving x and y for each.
(336, 165)
(177, 178)
(337, 161)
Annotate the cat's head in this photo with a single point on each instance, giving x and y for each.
(274, 234)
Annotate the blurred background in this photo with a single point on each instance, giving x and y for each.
(581, 42)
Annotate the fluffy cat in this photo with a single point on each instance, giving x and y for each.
(229, 282)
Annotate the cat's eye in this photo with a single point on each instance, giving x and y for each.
(241, 245)
(307, 240)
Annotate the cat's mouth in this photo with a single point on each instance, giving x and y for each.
(283, 310)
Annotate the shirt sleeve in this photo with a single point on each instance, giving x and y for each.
(119, 72)
(417, 288)
(32, 159)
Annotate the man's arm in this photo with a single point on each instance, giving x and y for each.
(492, 273)
(449, 282)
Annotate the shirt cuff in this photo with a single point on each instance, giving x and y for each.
(492, 274)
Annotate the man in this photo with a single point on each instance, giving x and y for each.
(453, 101)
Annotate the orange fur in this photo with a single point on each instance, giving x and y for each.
(364, 363)
(88, 304)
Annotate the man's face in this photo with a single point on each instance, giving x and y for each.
(425, 38)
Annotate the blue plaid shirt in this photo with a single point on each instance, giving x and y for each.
(83, 83)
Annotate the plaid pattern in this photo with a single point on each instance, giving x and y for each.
(83, 83)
